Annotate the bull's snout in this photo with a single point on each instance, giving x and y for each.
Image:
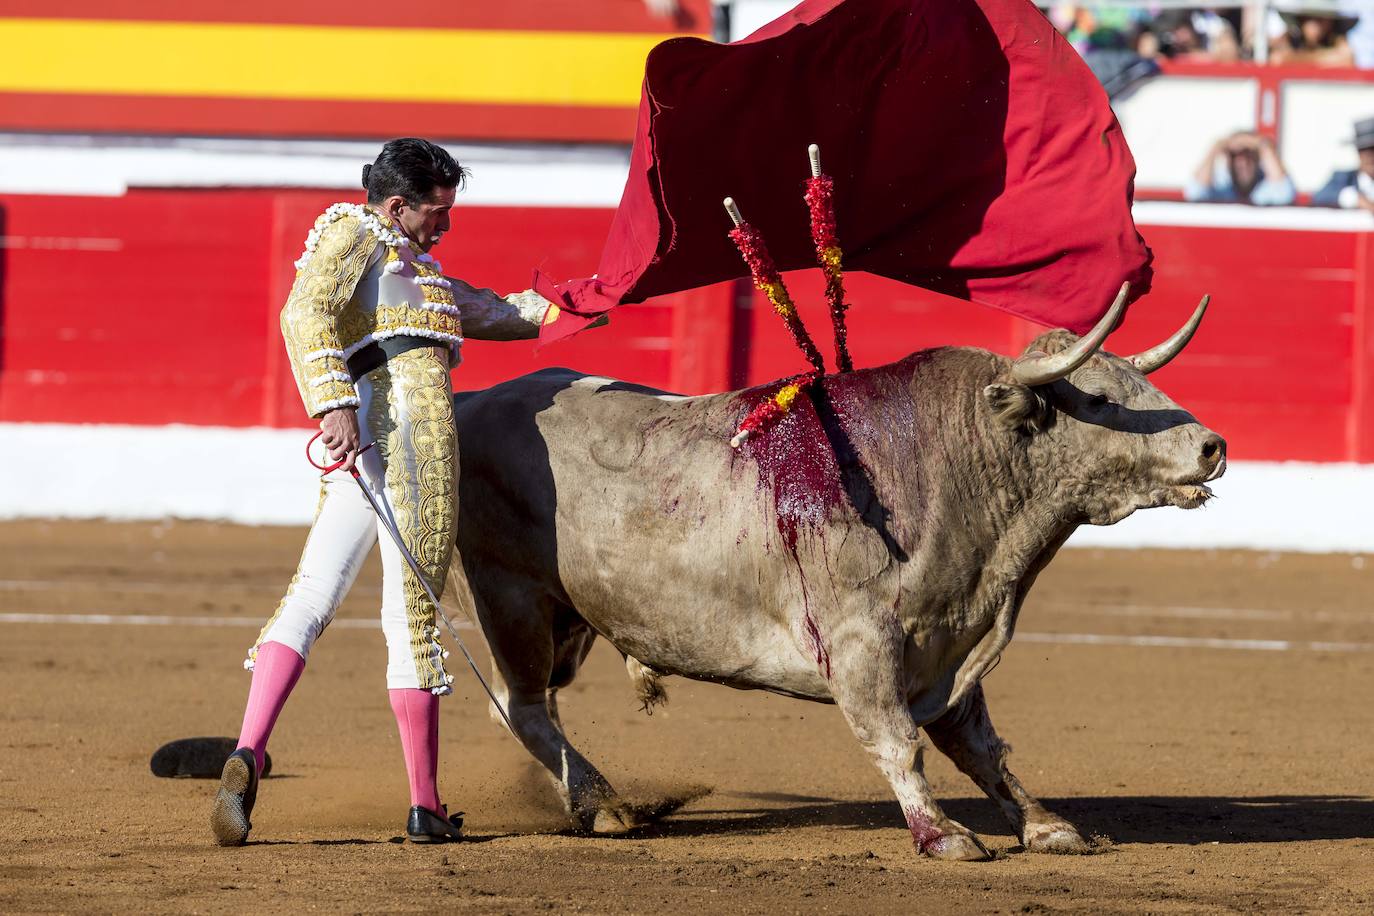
(1212, 459)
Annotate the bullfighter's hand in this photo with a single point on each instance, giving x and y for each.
(340, 435)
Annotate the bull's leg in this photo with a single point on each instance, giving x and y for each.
(530, 702)
(866, 682)
(965, 734)
(553, 709)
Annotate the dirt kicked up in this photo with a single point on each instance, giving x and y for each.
(1206, 714)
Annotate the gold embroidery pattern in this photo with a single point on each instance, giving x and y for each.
(417, 441)
(406, 316)
(323, 321)
(355, 324)
(310, 320)
(439, 321)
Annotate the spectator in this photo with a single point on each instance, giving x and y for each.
(1354, 188)
(1218, 32)
(1179, 38)
(1116, 65)
(1242, 168)
(1089, 27)
(1314, 37)
(1224, 46)
(1108, 40)
(1147, 45)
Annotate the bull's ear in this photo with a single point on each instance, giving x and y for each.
(1018, 407)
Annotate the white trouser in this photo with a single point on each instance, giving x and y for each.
(407, 409)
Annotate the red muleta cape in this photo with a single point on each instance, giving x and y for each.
(973, 154)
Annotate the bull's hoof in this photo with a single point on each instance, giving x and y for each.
(613, 821)
(1058, 839)
(957, 847)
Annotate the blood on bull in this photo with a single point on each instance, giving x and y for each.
(872, 549)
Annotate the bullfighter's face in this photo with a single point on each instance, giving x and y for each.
(425, 224)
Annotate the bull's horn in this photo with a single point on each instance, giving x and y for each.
(1041, 370)
(1159, 356)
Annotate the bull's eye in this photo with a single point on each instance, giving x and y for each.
(1097, 401)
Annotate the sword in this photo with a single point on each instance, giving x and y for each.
(384, 516)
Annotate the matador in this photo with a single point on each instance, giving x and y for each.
(373, 328)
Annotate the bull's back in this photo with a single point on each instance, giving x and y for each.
(515, 436)
(629, 504)
(612, 459)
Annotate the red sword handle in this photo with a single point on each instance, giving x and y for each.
(330, 468)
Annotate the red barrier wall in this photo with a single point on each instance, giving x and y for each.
(161, 307)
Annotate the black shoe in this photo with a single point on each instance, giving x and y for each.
(238, 790)
(424, 826)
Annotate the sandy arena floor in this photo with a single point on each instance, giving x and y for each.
(1231, 776)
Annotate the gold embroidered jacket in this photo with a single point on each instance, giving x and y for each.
(360, 281)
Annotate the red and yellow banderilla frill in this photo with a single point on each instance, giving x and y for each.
(820, 201)
(768, 280)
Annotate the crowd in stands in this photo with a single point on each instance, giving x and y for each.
(1316, 36)
(1124, 44)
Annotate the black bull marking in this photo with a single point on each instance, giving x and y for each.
(872, 549)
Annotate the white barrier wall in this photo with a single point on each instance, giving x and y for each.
(504, 175)
(260, 476)
(1171, 121)
(1317, 125)
(748, 16)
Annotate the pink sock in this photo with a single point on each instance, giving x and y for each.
(417, 718)
(275, 671)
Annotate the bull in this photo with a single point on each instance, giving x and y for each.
(871, 550)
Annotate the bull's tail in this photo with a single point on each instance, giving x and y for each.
(648, 685)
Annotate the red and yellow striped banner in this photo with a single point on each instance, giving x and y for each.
(485, 70)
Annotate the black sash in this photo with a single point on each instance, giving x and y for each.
(379, 351)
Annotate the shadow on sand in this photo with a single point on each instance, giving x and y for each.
(1125, 819)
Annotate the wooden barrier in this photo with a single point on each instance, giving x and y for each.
(161, 307)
